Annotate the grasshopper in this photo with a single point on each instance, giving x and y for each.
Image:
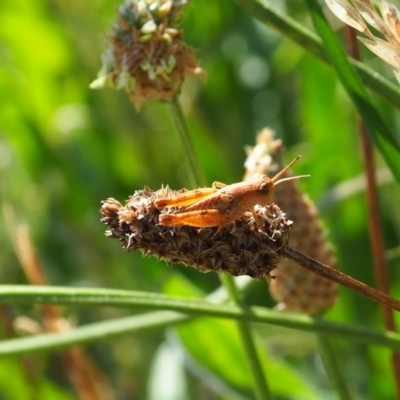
(221, 204)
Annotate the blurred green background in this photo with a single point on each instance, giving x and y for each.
(64, 148)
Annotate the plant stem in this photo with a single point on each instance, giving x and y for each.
(180, 309)
(308, 40)
(195, 174)
(196, 177)
(339, 277)
(260, 383)
(329, 358)
(374, 221)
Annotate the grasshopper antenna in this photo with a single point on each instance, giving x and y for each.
(291, 178)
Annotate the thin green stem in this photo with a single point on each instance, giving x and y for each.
(290, 28)
(195, 174)
(183, 309)
(90, 333)
(260, 383)
(196, 177)
(329, 358)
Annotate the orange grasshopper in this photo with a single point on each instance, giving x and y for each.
(221, 204)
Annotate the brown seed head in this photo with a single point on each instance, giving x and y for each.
(296, 288)
(240, 248)
(146, 55)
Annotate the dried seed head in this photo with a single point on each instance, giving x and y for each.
(295, 288)
(361, 13)
(238, 249)
(146, 56)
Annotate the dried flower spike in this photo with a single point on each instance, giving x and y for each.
(360, 13)
(146, 56)
(239, 248)
(296, 288)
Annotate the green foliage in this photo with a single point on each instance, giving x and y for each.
(64, 148)
(15, 383)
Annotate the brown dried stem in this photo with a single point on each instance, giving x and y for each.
(374, 221)
(339, 277)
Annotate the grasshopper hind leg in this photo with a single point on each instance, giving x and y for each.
(198, 219)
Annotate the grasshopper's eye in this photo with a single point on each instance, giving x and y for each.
(265, 186)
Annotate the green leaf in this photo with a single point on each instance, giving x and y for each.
(385, 140)
(287, 26)
(216, 345)
(17, 383)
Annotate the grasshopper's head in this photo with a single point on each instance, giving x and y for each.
(263, 190)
